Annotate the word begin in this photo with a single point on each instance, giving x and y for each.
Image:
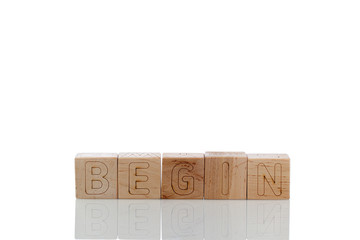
(213, 175)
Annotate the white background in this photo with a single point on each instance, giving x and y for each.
(179, 76)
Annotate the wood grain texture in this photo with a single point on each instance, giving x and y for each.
(268, 176)
(225, 175)
(96, 175)
(139, 175)
(183, 176)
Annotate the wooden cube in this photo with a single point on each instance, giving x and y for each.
(268, 176)
(139, 175)
(96, 175)
(183, 175)
(225, 175)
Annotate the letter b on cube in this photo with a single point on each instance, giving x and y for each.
(96, 175)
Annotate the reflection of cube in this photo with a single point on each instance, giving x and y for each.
(268, 219)
(139, 219)
(183, 175)
(96, 219)
(182, 219)
(96, 175)
(225, 175)
(268, 176)
(139, 175)
(225, 219)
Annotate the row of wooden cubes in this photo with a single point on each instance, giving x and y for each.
(213, 175)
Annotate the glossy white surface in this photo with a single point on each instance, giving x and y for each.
(182, 219)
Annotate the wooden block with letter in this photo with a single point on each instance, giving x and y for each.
(183, 175)
(139, 175)
(225, 175)
(268, 176)
(96, 175)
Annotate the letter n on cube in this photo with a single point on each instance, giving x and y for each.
(268, 176)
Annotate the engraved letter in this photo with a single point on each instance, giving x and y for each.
(180, 182)
(263, 175)
(95, 181)
(225, 178)
(135, 178)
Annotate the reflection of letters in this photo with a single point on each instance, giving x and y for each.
(268, 219)
(96, 214)
(136, 178)
(225, 220)
(182, 219)
(95, 181)
(138, 221)
(96, 219)
(181, 183)
(264, 177)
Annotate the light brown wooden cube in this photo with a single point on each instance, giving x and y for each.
(183, 175)
(268, 176)
(139, 175)
(225, 175)
(96, 175)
